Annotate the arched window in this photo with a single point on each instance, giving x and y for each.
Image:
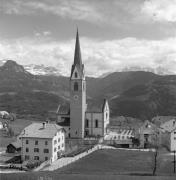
(76, 74)
(106, 115)
(75, 86)
(96, 123)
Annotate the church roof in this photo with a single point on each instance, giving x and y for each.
(97, 107)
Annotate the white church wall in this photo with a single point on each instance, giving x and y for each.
(92, 118)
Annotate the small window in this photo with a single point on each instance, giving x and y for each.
(54, 149)
(27, 149)
(46, 158)
(75, 86)
(27, 157)
(62, 145)
(58, 139)
(58, 147)
(46, 142)
(36, 142)
(46, 150)
(96, 123)
(55, 141)
(76, 74)
(36, 149)
(87, 123)
(106, 115)
(36, 157)
(27, 141)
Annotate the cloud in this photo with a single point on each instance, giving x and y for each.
(44, 33)
(160, 10)
(98, 56)
(74, 9)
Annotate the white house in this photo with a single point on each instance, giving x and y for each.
(42, 142)
(168, 134)
(80, 119)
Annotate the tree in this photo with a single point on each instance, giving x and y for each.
(10, 132)
(155, 162)
(155, 154)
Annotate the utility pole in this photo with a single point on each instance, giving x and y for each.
(174, 162)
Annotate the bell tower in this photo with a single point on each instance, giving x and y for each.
(77, 94)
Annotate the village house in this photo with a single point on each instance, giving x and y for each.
(120, 137)
(42, 142)
(80, 119)
(14, 147)
(168, 134)
(148, 135)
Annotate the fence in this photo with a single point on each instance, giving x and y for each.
(68, 160)
(46, 166)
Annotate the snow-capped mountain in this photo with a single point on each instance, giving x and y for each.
(41, 69)
(37, 69)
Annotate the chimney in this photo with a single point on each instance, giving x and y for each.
(44, 125)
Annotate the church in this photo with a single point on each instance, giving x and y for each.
(79, 119)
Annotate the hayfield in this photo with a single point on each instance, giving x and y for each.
(103, 165)
(120, 161)
(56, 176)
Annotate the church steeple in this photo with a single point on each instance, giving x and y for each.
(77, 57)
(77, 94)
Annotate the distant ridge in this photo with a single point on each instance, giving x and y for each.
(40, 69)
(135, 94)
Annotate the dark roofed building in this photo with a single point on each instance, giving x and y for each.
(14, 147)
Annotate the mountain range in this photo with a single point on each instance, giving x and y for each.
(41, 69)
(136, 94)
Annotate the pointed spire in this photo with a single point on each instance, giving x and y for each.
(77, 57)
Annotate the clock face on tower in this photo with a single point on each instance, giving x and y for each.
(76, 97)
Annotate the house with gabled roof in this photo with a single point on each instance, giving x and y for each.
(148, 135)
(42, 142)
(168, 134)
(80, 119)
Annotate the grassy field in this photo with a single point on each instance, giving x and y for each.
(103, 165)
(55, 176)
(119, 161)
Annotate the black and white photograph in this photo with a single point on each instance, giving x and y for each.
(87, 89)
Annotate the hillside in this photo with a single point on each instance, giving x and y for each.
(27, 94)
(145, 101)
(134, 94)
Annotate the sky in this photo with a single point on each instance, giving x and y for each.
(114, 34)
